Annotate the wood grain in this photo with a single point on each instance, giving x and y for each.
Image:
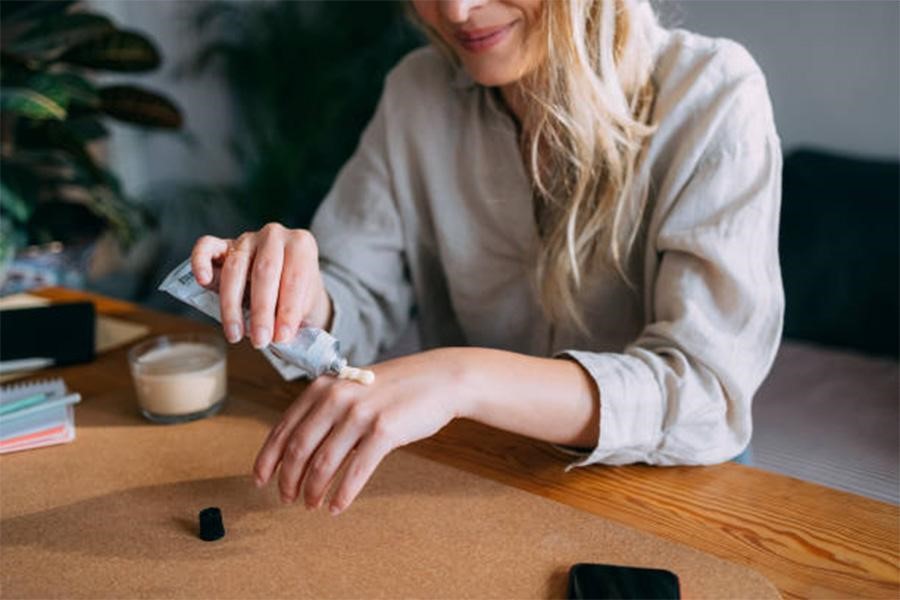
(811, 541)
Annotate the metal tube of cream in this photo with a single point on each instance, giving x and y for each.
(311, 353)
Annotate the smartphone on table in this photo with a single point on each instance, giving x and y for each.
(593, 581)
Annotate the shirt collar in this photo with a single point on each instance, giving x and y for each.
(461, 79)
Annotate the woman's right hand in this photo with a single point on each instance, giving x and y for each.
(278, 269)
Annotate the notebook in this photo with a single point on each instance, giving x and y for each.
(36, 414)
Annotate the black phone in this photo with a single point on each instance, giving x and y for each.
(61, 332)
(590, 581)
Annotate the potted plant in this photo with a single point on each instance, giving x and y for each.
(305, 78)
(53, 187)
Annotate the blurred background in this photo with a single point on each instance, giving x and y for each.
(130, 128)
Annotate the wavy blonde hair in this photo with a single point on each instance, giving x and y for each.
(588, 101)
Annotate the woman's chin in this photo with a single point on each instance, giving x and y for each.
(490, 77)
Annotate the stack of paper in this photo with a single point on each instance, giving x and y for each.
(36, 414)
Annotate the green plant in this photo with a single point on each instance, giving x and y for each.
(52, 186)
(305, 77)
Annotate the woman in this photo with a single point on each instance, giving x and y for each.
(581, 206)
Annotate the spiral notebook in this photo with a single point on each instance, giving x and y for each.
(36, 414)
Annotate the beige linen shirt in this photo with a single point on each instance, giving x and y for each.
(433, 215)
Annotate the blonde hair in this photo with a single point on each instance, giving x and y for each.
(587, 104)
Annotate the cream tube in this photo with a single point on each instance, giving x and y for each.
(311, 353)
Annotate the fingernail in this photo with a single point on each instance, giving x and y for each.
(334, 510)
(261, 336)
(259, 482)
(233, 332)
(284, 334)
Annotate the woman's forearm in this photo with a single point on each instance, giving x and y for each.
(550, 399)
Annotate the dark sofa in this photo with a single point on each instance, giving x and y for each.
(840, 251)
(829, 410)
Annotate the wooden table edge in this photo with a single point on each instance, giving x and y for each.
(626, 496)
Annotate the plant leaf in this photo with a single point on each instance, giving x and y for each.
(121, 51)
(11, 238)
(79, 89)
(56, 136)
(68, 222)
(137, 105)
(48, 95)
(12, 202)
(87, 129)
(56, 34)
(14, 62)
(118, 210)
(30, 104)
(27, 10)
(38, 173)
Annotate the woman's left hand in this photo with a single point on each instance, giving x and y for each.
(336, 422)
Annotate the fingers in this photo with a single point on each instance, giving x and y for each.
(300, 263)
(321, 432)
(370, 452)
(233, 282)
(266, 279)
(330, 402)
(332, 453)
(276, 264)
(273, 448)
(207, 249)
(306, 438)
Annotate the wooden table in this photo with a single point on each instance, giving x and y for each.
(810, 541)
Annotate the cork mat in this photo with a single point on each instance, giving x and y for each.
(114, 514)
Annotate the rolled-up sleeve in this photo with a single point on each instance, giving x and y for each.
(361, 250)
(681, 393)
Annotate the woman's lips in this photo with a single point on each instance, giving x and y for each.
(479, 40)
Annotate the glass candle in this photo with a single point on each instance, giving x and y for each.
(179, 377)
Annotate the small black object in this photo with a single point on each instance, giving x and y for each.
(592, 581)
(211, 527)
(63, 332)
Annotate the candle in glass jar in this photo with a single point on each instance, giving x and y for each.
(179, 379)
